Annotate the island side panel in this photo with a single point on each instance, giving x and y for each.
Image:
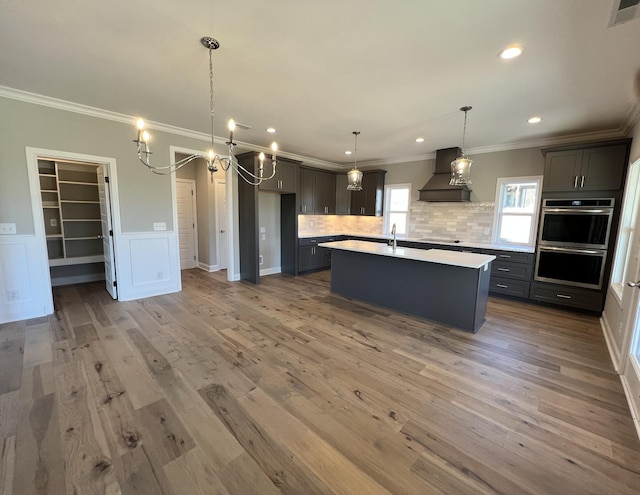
(444, 293)
(484, 274)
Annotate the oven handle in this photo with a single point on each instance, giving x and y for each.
(575, 210)
(571, 250)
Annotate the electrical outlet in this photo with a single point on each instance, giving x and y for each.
(160, 275)
(53, 222)
(159, 226)
(261, 259)
(487, 231)
(7, 228)
(13, 295)
(264, 237)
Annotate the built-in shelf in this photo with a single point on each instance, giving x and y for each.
(72, 220)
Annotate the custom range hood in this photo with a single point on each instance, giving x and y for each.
(438, 188)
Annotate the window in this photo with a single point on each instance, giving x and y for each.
(396, 207)
(516, 214)
(630, 206)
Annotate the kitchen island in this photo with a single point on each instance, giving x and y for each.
(450, 287)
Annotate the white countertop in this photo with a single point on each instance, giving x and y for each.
(442, 256)
(452, 242)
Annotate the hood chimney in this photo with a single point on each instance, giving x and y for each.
(438, 188)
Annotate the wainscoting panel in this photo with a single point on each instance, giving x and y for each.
(25, 290)
(151, 265)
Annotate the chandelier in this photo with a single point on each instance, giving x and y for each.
(354, 176)
(214, 162)
(461, 166)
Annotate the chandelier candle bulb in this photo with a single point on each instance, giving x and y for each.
(232, 126)
(274, 149)
(145, 138)
(140, 125)
(261, 158)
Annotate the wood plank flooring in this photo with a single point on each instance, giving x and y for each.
(284, 388)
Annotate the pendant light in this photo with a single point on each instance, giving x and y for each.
(354, 176)
(461, 166)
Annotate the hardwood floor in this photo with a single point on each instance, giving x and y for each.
(233, 388)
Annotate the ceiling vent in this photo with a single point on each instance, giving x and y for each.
(623, 11)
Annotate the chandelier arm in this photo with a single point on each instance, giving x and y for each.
(239, 168)
(173, 166)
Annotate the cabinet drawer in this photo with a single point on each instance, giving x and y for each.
(518, 271)
(510, 256)
(509, 287)
(569, 296)
(308, 241)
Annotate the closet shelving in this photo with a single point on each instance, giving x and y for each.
(71, 210)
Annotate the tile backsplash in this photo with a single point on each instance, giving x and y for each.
(465, 221)
(337, 224)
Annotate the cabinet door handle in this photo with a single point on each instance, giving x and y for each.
(502, 286)
(503, 270)
(575, 182)
(504, 256)
(582, 182)
(563, 296)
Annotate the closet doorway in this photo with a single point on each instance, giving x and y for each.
(75, 209)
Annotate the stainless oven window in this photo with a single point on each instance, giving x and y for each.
(577, 267)
(585, 229)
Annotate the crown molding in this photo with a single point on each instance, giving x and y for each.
(68, 106)
(630, 120)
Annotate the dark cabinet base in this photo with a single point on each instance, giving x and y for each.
(574, 297)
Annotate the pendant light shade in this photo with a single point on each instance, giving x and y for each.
(461, 166)
(354, 176)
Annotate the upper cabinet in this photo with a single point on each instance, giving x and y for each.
(594, 167)
(370, 200)
(285, 179)
(317, 192)
(343, 195)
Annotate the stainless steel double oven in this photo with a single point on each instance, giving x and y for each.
(573, 240)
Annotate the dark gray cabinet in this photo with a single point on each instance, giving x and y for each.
(511, 273)
(317, 190)
(369, 201)
(248, 219)
(343, 196)
(313, 257)
(598, 167)
(286, 178)
(575, 297)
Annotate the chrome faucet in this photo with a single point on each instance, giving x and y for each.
(393, 233)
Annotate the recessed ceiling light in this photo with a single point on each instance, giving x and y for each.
(510, 52)
(270, 130)
(534, 120)
(347, 152)
(419, 140)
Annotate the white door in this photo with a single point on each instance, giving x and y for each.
(222, 224)
(104, 195)
(630, 300)
(185, 199)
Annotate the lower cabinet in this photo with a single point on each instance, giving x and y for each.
(313, 257)
(511, 273)
(587, 299)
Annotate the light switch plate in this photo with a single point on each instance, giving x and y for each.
(159, 226)
(7, 228)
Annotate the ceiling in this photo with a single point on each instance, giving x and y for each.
(316, 71)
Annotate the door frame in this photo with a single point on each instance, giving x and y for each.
(218, 224)
(36, 203)
(194, 210)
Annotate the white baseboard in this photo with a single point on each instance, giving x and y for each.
(208, 268)
(614, 352)
(631, 384)
(270, 271)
